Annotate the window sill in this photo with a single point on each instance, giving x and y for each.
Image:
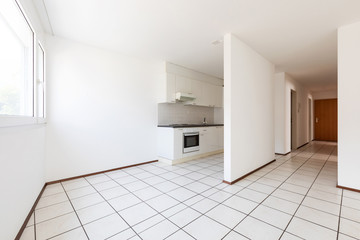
(14, 121)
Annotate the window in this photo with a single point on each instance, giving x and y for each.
(22, 68)
(40, 83)
(16, 61)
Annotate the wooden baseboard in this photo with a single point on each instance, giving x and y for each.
(303, 145)
(283, 154)
(105, 171)
(350, 189)
(18, 236)
(244, 176)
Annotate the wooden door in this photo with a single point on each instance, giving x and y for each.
(325, 119)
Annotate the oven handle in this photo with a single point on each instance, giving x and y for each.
(191, 134)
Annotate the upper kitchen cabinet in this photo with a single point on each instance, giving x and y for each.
(207, 90)
(183, 84)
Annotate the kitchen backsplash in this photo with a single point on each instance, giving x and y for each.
(175, 113)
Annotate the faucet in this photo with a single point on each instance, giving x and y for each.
(204, 122)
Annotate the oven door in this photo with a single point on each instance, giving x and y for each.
(191, 142)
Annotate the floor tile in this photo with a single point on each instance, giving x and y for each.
(180, 235)
(294, 188)
(220, 196)
(98, 178)
(350, 213)
(271, 216)
(51, 200)
(225, 215)
(162, 202)
(56, 226)
(53, 211)
(252, 195)
(350, 228)
(137, 213)
(351, 202)
(181, 194)
(148, 223)
(334, 198)
(289, 236)
(95, 212)
(105, 227)
(318, 217)
(204, 205)
(205, 228)
(105, 185)
(240, 204)
(126, 234)
(80, 192)
(76, 234)
(308, 230)
(197, 187)
(124, 201)
(52, 189)
(166, 186)
(184, 217)
(75, 185)
(28, 233)
(234, 236)
(147, 193)
(281, 204)
(250, 227)
(322, 205)
(182, 180)
(159, 231)
(286, 195)
(134, 186)
(87, 201)
(114, 192)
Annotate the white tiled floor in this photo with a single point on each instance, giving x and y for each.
(292, 198)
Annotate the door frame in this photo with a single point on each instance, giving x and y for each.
(293, 119)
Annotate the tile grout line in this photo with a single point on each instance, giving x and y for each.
(116, 213)
(209, 175)
(276, 188)
(306, 196)
(338, 230)
(74, 212)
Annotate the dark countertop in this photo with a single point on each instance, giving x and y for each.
(189, 125)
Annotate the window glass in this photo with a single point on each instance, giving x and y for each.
(16, 61)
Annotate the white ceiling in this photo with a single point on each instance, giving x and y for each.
(298, 36)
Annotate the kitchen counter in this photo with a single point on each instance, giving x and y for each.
(189, 125)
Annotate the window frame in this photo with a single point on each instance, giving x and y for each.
(20, 120)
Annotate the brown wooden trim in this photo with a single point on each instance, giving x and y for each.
(283, 154)
(94, 173)
(18, 236)
(350, 189)
(244, 176)
(303, 145)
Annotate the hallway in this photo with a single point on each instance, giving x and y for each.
(293, 198)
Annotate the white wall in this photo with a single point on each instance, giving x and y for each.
(249, 109)
(283, 86)
(348, 106)
(22, 174)
(102, 109)
(324, 95)
(22, 153)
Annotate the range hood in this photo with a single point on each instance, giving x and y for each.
(184, 97)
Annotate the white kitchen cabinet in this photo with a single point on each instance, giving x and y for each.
(220, 137)
(197, 90)
(183, 84)
(170, 88)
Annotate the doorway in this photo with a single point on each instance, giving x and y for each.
(293, 120)
(325, 120)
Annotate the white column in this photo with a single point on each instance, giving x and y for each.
(248, 109)
(349, 106)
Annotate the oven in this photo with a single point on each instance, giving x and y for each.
(191, 142)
